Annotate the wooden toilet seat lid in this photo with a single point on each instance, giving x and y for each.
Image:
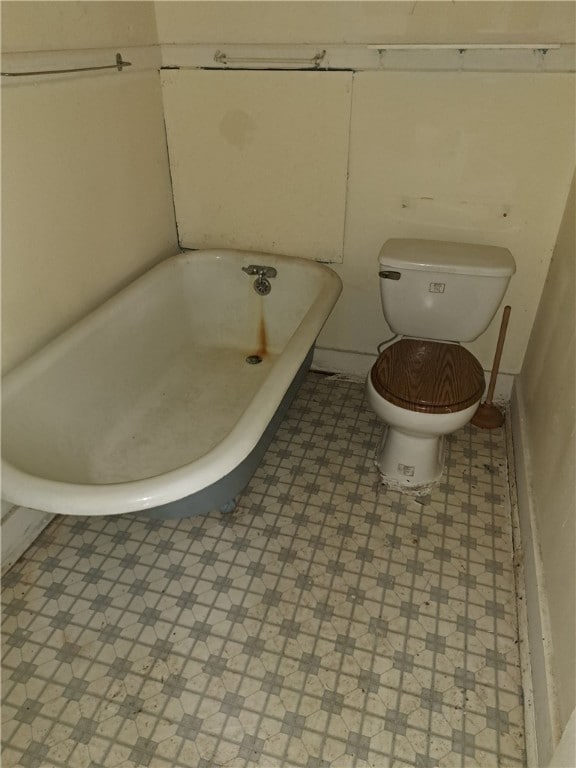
(428, 376)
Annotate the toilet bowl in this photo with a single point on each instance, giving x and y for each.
(422, 390)
(424, 384)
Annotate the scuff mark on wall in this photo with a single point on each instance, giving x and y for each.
(461, 214)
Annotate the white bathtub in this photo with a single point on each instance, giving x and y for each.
(150, 400)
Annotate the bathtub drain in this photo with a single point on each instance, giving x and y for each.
(253, 359)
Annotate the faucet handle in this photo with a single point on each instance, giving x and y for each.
(260, 271)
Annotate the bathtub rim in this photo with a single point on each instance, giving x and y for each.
(20, 487)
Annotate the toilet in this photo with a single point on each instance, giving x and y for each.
(424, 384)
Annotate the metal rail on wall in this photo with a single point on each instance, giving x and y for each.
(120, 64)
(222, 58)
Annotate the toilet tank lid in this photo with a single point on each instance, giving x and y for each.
(445, 256)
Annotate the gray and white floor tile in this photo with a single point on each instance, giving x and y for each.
(327, 622)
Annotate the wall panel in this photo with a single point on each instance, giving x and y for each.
(259, 159)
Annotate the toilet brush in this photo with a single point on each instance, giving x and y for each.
(488, 416)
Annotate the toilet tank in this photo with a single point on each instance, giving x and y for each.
(442, 290)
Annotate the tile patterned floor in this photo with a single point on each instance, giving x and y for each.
(327, 622)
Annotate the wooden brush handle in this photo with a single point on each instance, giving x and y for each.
(498, 354)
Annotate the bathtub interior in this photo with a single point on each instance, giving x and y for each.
(245, 320)
(158, 376)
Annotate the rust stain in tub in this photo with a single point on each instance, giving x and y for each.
(262, 350)
(262, 335)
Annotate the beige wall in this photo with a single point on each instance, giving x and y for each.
(265, 177)
(471, 157)
(548, 386)
(86, 201)
(364, 22)
(86, 194)
(52, 26)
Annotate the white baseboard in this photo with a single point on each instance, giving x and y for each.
(521, 610)
(540, 710)
(358, 364)
(19, 528)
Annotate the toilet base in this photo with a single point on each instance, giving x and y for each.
(410, 463)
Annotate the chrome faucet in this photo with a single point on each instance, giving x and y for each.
(262, 283)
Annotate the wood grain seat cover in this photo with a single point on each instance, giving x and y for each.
(428, 376)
